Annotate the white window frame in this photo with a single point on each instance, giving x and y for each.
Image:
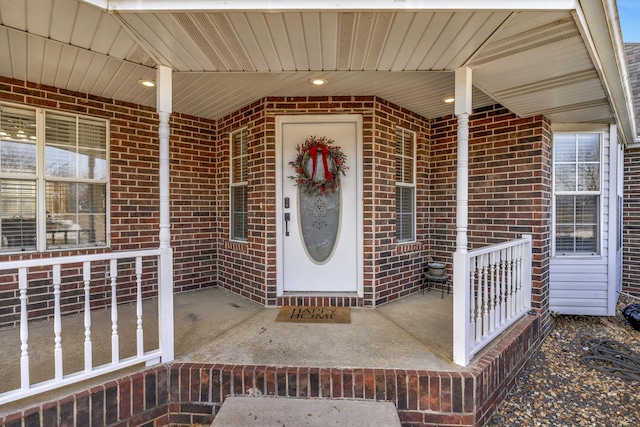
(40, 178)
(233, 185)
(401, 184)
(600, 193)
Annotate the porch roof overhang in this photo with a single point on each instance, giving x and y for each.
(560, 58)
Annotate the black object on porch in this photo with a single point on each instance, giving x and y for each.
(436, 273)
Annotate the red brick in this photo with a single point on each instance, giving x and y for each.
(434, 393)
(336, 383)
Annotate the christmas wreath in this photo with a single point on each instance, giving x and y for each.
(333, 164)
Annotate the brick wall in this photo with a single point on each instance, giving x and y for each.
(398, 267)
(390, 270)
(509, 187)
(510, 172)
(243, 266)
(134, 194)
(136, 400)
(631, 223)
(631, 208)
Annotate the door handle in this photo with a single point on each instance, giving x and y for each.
(287, 218)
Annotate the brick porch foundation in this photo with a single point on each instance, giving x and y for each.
(183, 394)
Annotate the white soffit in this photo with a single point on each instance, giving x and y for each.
(419, 92)
(322, 41)
(227, 54)
(278, 5)
(538, 64)
(73, 23)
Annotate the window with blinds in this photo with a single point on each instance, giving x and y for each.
(239, 162)
(18, 179)
(405, 186)
(577, 193)
(53, 180)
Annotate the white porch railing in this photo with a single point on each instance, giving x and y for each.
(139, 266)
(497, 292)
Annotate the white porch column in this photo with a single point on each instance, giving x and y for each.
(461, 303)
(164, 99)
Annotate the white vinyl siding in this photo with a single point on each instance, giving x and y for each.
(581, 284)
(578, 286)
(615, 237)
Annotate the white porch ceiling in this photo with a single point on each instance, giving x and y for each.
(533, 62)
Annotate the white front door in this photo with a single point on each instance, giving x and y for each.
(319, 248)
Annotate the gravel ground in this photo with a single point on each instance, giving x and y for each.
(558, 389)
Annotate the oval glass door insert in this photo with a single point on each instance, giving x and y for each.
(319, 216)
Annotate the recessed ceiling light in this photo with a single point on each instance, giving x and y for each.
(448, 99)
(318, 81)
(147, 83)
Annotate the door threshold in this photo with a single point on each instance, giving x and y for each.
(320, 294)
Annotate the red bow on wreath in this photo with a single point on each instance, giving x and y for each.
(325, 152)
(310, 148)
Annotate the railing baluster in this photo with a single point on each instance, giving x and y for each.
(527, 263)
(57, 268)
(479, 300)
(485, 290)
(472, 305)
(88, 354)
(509, 284)
(514, 282)
(492, 307)
(57, 324)
(115, 347)
(520, 249)
(499, 292)
(139, 330)
(503, 286)
(24, 330)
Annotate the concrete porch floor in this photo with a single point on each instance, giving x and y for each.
(214, 326)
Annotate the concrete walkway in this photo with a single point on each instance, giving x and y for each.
(279, 412)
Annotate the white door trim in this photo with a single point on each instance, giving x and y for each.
(342, 118)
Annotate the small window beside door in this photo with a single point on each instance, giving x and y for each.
(239, 161)
(405, 186)
(577, 193)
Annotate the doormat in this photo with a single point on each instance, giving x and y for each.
(314, 314)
